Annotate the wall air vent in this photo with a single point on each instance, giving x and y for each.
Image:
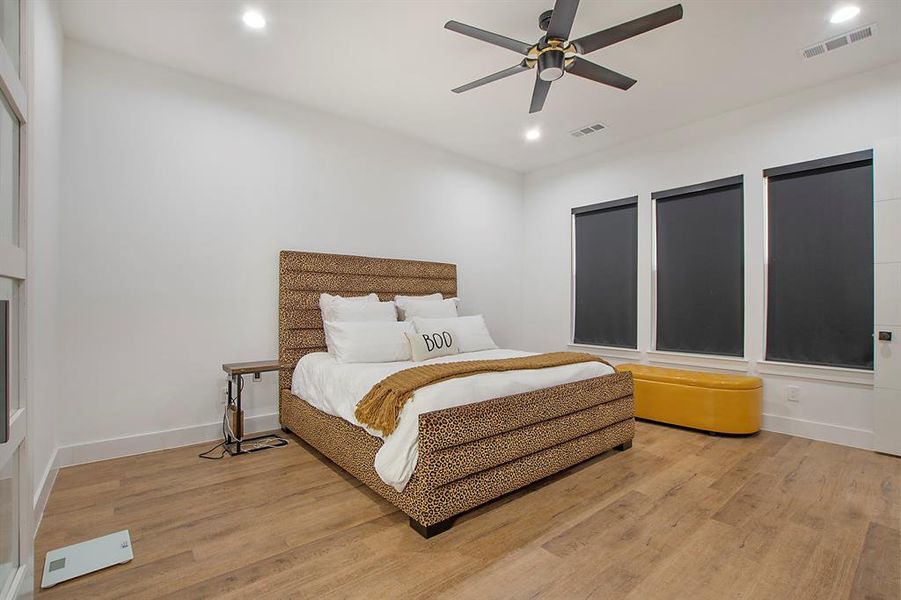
(587, 129)
(835, 43)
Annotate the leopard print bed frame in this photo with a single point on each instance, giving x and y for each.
(468, 455)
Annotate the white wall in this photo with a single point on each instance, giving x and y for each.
(43, 271)
(843, 116)
(178, 194)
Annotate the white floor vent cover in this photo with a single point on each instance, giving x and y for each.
(76, 560)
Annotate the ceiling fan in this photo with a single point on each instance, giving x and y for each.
(555, 54)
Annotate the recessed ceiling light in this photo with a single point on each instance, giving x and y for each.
(253, 19)
(533, 134)
(845, 13)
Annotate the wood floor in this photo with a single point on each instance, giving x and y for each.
(680, 515)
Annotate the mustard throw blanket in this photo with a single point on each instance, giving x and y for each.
(381, 407)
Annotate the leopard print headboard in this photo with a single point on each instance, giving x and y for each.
(305, 275)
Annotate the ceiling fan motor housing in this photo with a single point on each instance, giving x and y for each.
(550, 64)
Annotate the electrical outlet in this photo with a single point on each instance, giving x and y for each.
(257, 376)
(792, 393)
(223, 395)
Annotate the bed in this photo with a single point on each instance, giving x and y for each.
(467, 455)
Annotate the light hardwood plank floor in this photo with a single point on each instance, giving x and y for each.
(680, 515)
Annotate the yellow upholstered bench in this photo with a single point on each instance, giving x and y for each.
(708, 401)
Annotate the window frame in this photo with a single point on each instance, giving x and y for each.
(851, 375)
(616, 351)
(723, 361)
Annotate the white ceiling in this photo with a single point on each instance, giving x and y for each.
(391, 64)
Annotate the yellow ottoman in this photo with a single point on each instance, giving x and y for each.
(708, 401)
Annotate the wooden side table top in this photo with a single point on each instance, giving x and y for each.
(257, 366)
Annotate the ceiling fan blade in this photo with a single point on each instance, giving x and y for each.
(624, 31)
(539, 94)
(589, 70)
(493, 77)
(562, 19)
(486, 36)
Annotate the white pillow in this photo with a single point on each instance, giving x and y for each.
(327, 301)
(472, 333)
(403, 301)
(363, 311)
(432, 344)
(431, 309)
(362, 308)
(369, 341)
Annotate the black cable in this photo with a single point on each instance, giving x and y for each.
(221, 444)
(276, 441)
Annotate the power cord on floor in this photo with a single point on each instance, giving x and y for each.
(272, 441)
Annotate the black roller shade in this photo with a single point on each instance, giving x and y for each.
(606, 274)
(700, 269)
(820, 266)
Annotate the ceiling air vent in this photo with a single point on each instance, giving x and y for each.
(587, 129)
(838, 42)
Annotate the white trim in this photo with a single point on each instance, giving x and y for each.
(12, 261)
(141, 443)
(799, 371)
(572, 278)
(613, 351)
(824, 432)
(730, 363)
(653, 304)
(44, 487)
(766, 265)
(17, 430)
(22, 585)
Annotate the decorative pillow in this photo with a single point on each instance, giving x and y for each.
(403, 301)
(369, 341)
(430, 309)
(432, 344)
(471, 332)
(327, 302)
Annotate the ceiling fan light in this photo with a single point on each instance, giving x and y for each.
(550, 65)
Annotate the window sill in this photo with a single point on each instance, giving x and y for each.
(611, 351)
(726, 363)
(833, 374)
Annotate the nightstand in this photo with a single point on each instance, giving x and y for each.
(236, 373)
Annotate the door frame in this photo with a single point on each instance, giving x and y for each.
(15, 88)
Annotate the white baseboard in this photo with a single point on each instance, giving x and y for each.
(22, 587)
(43, 487)
(824, 432)
(87, 452)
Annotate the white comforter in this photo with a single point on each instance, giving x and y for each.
(336, 389)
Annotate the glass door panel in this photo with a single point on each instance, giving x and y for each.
(9, 356)
(9, 29)
(9, 174)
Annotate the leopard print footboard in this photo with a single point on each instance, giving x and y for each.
(471, 454)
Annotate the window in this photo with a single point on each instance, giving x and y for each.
(820, 262)
(605, 274)
(700, 268)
